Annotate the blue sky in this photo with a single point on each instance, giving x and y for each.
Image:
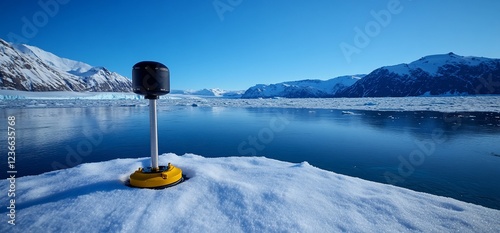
(234, 44)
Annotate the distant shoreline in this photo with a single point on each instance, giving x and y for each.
(20, 99)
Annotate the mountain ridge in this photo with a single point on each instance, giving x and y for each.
(441, 74)
(307, 88)
(28, 68)
(432, 75)
(209, 92)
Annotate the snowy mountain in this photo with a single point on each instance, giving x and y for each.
(28, 68)
(303, 88)
(445, 74)
(214, 92)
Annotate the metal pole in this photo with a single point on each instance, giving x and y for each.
(153, 134)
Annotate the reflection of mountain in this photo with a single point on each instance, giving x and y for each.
(418, 123)
(47, 131)
(55, 138)
(364, 145)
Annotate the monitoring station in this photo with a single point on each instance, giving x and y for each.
(152, 79)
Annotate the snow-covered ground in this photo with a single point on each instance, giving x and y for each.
(231, 194)
(18, 99)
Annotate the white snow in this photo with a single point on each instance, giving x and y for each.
(64, 64)
(16, 99)
(212, 92)
(43, 70)
(314, 87)
(231, 194)
(330, 85)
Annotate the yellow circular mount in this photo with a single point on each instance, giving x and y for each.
(164, 176)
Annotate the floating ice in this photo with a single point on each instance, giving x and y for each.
(17, 99)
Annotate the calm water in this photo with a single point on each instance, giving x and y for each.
(454, 155)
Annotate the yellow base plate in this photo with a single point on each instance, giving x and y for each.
(163, 177)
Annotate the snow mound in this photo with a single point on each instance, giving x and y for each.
(231, 194)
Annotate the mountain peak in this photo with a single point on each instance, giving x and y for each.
(440, 74)
(432, 64)
(63, 64)
(29, 68)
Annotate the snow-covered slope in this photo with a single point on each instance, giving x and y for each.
(28, 68)
(231, 194)
(64, 64)
(101, 79)
(302, 88)
(445, 74)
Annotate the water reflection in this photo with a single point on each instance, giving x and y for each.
(366, 144)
